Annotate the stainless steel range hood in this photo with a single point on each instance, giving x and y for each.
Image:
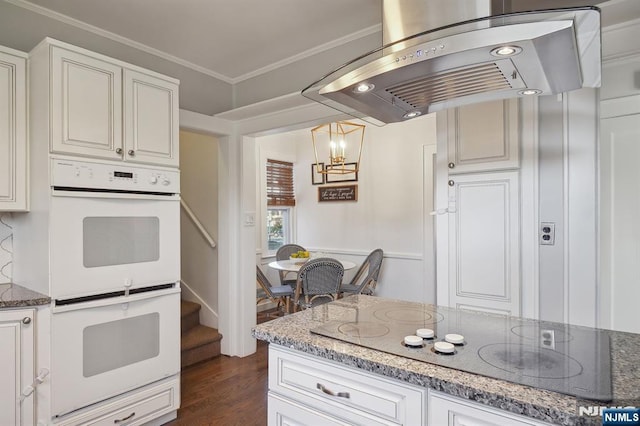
(493, 57)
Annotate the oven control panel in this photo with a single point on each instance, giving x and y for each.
(93, 175)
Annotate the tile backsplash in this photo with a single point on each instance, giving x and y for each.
(6, 247)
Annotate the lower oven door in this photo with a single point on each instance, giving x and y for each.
(103, 348)
(106, 242)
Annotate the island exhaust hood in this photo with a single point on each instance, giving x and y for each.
(469, 55)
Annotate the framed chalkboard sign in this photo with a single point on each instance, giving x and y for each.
(338, 193)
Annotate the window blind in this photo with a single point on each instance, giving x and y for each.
(280, 183)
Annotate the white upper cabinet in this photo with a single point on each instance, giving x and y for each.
(483, 137)
(86, 100)
(13, 130)
(104, 108)
(150, 119)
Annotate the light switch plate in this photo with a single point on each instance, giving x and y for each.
(249, 218)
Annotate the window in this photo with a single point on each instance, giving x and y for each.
(280, 200)
(278, 227)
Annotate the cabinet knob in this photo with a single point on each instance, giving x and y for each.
(26, 320)
(451, 165)
(118, 150)
(451, 183)
(132, 152)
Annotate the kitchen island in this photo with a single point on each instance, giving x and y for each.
(291, 337)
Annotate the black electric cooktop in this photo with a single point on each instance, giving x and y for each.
(558, 357)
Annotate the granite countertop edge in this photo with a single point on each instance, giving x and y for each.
(540, 412)
(16, 296)
(292, 331)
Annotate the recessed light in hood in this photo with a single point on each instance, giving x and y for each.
(498, 57)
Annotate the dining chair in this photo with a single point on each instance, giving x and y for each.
(283, 253)
(366, 278)
(318, 282)
(281, 295)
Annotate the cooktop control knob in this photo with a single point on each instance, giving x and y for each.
(413, 341)
(443, 347)
(425, 333)
(456, 339)
(153, 180)
(166, 181)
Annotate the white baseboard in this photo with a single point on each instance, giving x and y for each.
(208, 316)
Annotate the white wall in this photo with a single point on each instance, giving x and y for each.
(389, 213)
(199, 189)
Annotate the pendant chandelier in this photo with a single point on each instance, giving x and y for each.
(340, 143)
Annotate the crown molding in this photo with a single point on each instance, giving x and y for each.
(310, 52)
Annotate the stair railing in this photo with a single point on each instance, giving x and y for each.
(198, 224)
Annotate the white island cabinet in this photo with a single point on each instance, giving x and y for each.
(307, 390)
(17, 366)
(13, 130)
(102, 108)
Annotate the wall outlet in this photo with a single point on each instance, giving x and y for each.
(547, 233)
(547, 339)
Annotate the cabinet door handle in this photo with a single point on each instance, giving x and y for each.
(118, 150)
(132, 152)
(451, 165)
(26, 320)
(329, 392)
(129, 417)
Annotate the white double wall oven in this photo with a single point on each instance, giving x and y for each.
(114, 267)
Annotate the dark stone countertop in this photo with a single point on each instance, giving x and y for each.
(15, 296)
(292, 331)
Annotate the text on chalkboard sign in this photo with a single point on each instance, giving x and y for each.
(338, 193)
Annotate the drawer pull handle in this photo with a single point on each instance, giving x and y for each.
(328, 392)
(129, 417)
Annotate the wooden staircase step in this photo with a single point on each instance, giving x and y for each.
(198, 344)
(189, 315)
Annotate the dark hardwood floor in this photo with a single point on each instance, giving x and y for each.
(226, 390)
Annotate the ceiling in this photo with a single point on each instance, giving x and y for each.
(228, 39)
(227, 54)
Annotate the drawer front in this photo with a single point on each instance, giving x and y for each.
(313, 381)
(283, 412)
(452, 411)
(137, 408)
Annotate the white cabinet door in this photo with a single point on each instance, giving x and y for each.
(13, 130)
(16, 366)
(483, 137)
(86, 103)
(150, 119)
(619, 225)
(446, 410)
(484, 242)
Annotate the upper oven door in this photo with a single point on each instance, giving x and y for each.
(110, 242)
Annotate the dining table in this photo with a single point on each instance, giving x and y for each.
(289, 265)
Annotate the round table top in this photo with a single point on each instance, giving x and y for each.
(293, 266)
